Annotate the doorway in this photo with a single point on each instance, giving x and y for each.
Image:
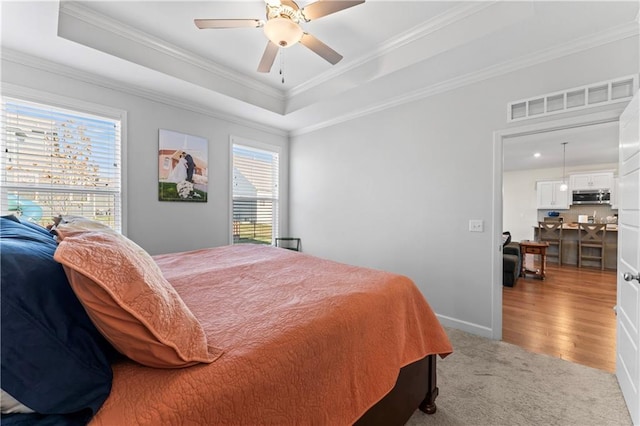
(566, 274)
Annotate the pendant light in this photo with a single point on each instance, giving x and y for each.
(564, 186)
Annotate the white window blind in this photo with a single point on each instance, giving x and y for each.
(255, 195)
(57, 161)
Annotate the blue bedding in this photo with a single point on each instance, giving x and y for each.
(53, 359)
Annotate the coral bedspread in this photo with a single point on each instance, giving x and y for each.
(305, 340)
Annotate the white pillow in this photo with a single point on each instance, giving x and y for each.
(9, 405)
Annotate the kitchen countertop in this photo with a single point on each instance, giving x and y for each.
(571, 225)
(574, 225)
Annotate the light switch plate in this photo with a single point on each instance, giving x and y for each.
(476, 225)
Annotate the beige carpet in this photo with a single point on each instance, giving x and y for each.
(486, 382)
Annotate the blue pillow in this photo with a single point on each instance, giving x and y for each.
(35, 226)
(53, 359)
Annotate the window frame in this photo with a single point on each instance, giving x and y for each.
(82, 107)
(236, 140)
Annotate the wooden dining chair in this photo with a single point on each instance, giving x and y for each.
(551, 232)
(591, 236)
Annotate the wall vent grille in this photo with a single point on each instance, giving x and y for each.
(576, 98)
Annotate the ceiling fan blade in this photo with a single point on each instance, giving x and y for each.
(228, 23)
(292, 4)
(322, 8)
(320, 48)
(268, 57)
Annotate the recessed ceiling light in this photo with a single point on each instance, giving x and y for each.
(537, 155)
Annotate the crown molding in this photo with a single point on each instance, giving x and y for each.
(419, 31)
(630, 29)
(614, 34)
(111, 25)
(128, 89)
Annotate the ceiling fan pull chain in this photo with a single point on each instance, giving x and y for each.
(282, 64)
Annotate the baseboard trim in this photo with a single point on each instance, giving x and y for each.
(469, 327)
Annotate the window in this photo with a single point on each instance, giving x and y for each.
(57, 161)
(255, 194)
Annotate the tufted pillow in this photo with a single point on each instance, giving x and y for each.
(54, 360)
(130, 302)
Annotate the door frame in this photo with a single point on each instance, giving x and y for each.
(609, 115)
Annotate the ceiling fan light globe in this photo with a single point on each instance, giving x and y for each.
(283, 32)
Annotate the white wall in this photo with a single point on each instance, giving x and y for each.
(392, 190)
(395, 190)
(162, 227)
(519, 198)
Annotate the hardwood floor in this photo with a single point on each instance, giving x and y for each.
(568, 315)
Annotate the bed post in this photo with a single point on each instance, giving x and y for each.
(428, 405)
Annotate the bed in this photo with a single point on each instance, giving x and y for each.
(276, 336)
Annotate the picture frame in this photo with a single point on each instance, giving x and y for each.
(182, 167)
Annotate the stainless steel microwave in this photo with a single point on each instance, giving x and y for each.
(592, 196)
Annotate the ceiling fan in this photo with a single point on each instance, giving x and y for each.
(283, 29)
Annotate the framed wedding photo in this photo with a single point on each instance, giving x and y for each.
(182, 167)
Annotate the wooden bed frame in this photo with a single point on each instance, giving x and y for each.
(415, 388)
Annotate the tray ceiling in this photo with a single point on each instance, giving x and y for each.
(394, 51)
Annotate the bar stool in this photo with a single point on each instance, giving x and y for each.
(591, 236)
(551, 232)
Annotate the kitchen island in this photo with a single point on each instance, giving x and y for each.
(570, 246)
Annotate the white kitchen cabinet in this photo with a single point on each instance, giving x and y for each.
(551, 197)
(598, 180)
